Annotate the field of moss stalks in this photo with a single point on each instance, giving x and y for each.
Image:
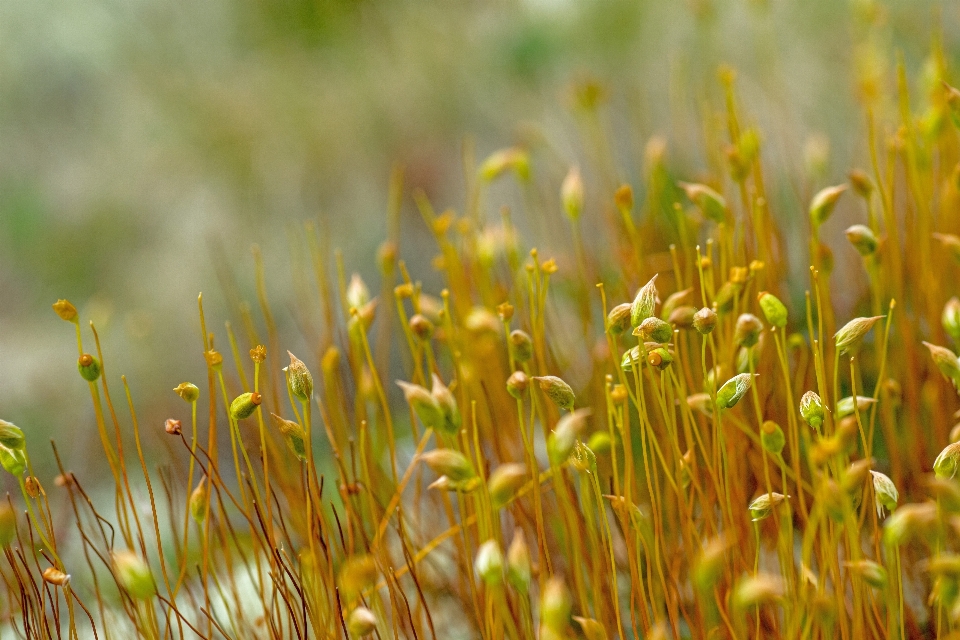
(692, 416)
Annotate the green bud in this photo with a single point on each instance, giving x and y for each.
(448, 406)
(823, 203)
(424, 404)
(811, 410)
(618, 320)
(733, 390)
(133, 574)
(504, 483)
(850, 405)
(708, 567)
(571, 193)
(909, 520)
(293, 434)
(499, 162)
(773, 310)
(489, 563)
(189, 392)
(710, 203)
(519, 571)
(885, 493)
(951, 318)
(66, 311)
(659, 358)
(517, 384)
(849, 337)
(748, 329)
(361, 622)
(771, 437)
(862, 239)
(654, 329)
(723, 300)
(754, 590)
(449, 463)
(357, 293)
(299, 379)
(645, 303)
(89, 367)
(198, 501)
(945, 466)
(358, 572)
(521, 345)
(871, 572)
(557, 390)
(555, 605)
(682, 317)
(763, 506)
(947, 362)
(13, 461)
(599, 442)
(11, 436)
(674, 301)
(564, 436)
(705, 320)
(244, 405)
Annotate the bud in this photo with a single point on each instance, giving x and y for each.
(862, 239)
(701, 402)
(885, 493)
(33, 487)
(361, 622)
(705, 320)
(773, 310)
(599, 442)
(299, 379)
(908, 521)
(709, 565)
(564, 436)
(89, 367)
(133, 574)
(945, 466)
(619, 394)
(748, 329)
(571, 193)
(850, 405)
(618, 320)
(752, 591)
(11, 436)
(198, 501)
(244, 405)
(518, 563)
(645, 303)
(855, 475)
(771, 437)
(173, 426)
(849, 337)
(710, 203)
(823, 203)
(504, 483)
(733, 390)
(66, 311)
(450, 463)
(557, 390)
(12, 461)
(623, 198)
(489, 563)
(424, 404)
(763, 506)
(358, 572)
(555, 605)
(674, 300)
(357, 293)
(420, 326)
(861, 183)
(521, 345)
(654, 329)
(871, 572)
(8, 525)
(659, 358)
(517, 384)
(293, 434)
(682, 317)
(946, 361)
(214, 359)
(448, 406)
(811, 410)
(499, 162)
(54, 576)
(723, 300)
(951, 318)
(187, 391)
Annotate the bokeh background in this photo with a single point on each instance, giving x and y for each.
(146, 144)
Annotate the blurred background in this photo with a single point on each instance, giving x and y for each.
(147, 144)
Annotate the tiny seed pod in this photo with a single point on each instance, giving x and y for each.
(623, 198)
(571, 194)
(951, 318)
(945, 466)
(133, 574)
(420, 326)
(12, 461)
(358, 572)
(645, 303)
(521, 345)
(673, 302)
(563, 438)
(489, 563)
(654, 329)
(557, 390)
(244, 405)
(725, 296)
(66, 311)
(173, 427)
(517, 384)
(519, 570)
(774, 311)
(849, 406)
(599, 442)
(811, 410)
(499, 162)
(424, 404)
(299, 379)
(764, 505)
(885, 492)
(504, 483)
(361, 622)
(711, 204)
(33, 487)
(747, 331)
(198, 501)
(705, 320)
(448, 406)
(861, 183)
(293, 434)
(682, 317)
(862, 239)
(618, 320)
(754, 590)
(708, 567)
(659, 358)
(357, 293)
(849, 337)
(11, 436)
(89, 367)
(823, 203)
(555, 605)
(947, 362)
(450, 463)
(54, 576)
(771, 437)
(872, 573)
(189, 392)
(733, 390)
